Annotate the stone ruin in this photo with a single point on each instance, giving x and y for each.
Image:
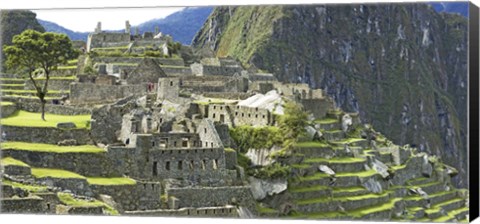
(160, 133)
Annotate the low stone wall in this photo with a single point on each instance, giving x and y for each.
(233, 96)
(137, 60)
(230, 159)
(140, 196)
(30, 205)
(84, 93)
(53, 109)
(49, 135)
(17, 170)
(53, 84)
(8, 110)
(87, 164)
(225, 211)
(213, 196)
(76, 185)
(116, 68)
(177, 71)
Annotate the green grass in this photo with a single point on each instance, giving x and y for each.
(12, 85)
(58, 78)
(9, 161)
(229, 150)
(341, 199)
(40, 147)
(68, 199)
(377, 208)
(399, 167)
(5, 103)
(29, 188)
(28, 91)
(72, 62)
(111, 181)
(265, 210)
(311, 145)
(308, 189)
(11, 79)
(319, 175)
(349, 141)
(30, 97)
(44, 172)
(348, 189)
(30, 119)
(327, 121)
(67, 67)
(335, 160)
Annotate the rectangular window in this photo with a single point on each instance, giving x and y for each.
(180, 165)
(167, 165)
(154, 169)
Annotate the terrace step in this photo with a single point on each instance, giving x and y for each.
(326, 204)
(30, 93)
(333, 135)
(12, 86)
(351, 142)
(328, 124)
(341, 179)
(338, 164)
(12, 81)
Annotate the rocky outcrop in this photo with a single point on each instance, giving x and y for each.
(402, 67)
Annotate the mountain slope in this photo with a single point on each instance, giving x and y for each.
(402, 67)
(53, 27)
(182, 25)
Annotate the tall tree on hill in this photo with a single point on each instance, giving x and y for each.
(33, 50)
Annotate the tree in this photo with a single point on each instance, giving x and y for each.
(33, 50)
(292, 123)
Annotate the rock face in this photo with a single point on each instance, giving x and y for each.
(403, 67)
(263, 188)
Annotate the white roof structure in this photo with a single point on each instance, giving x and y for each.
(272, 101)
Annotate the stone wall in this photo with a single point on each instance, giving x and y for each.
(227, 95)
(53, 84)
(168, 89)
(204, 84)
(252, 116)
(17, 170)
(224, 211)
(49, 135)
(213, 196)
(107, 120)
(140, 196)
(52, 108)
(137, 60)
(83, 93)
(177, 71)
(96, 40)
(211, 70)
(30, 205)
(75, 185)
(318, 107)
(86, 164)
(8, 110)
(117, 68)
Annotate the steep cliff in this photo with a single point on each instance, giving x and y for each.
(403, 67)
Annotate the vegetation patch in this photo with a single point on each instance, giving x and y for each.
(111, 181)
(44, 172)
(373, 209)
(29, 188)
(327, 121)
(40, 147)
(248, 137)
(9, 161)
(5, 103)
(69, 200)
(335, 160)
(29, 119)
(349, 141)
(311, 145)
(309, 189)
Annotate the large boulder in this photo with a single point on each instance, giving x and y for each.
(261, 188)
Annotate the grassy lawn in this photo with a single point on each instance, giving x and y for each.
(30, 188)
(342, 199)
(69, 200)
(110, 181)
(335, 160)
(44, 172)
(40, 147)
(67, 67)
(349, 141)
(9, 161)
(5, 103)
(58, 78)
(29, 119)
(311, 145)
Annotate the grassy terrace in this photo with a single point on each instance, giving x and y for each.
(327, 121)
(308, 189)
(39, 147)
(67, 67)
(319, 175)
(30, 188)
(5, 103)
(27, 91)
(44, 172)
(110, 181)
(9, 161)
(29, 97)
(69, 200)
(341, 199)
(12, 85)
(40, 78)
(311, 145)
(349, 141)
(29, 119)
(335, 160)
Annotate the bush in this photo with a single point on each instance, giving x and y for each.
(248, 137)
(275, 170)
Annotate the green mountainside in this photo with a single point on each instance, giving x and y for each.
(403, 67)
